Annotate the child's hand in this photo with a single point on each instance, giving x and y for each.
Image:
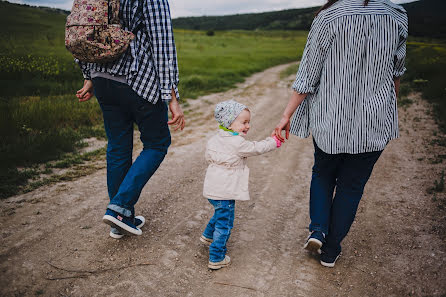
(278, 142)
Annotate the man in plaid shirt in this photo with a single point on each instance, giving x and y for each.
(136, 88)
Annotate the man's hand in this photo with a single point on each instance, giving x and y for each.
(284, 124)
(177, 114)
(86, 92)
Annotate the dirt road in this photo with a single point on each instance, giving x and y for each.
(53, 242)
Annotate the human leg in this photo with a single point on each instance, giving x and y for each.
(323, 182)
(224, 222)
(352, 178)
(210, 227)
(118, 126)
(152, 123)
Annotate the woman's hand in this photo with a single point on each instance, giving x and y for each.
(86, 92)
(177, 114)
(284, 124)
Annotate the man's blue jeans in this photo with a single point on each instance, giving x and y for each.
(121, 108)
(348, 173)
(219, 228)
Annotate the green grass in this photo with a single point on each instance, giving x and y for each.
(40, 118)
(292, 69)
(215, 63)
(426, 64)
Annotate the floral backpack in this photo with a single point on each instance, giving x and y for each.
(93, 32)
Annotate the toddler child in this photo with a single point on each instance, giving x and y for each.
(227, 175)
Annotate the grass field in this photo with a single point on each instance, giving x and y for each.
(426, 64)
(40, 118)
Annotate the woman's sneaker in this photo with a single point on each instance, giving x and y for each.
(217, 265)
(329, 261)
(314, 242)
(139, 222)
(124, 224)
(205, 240)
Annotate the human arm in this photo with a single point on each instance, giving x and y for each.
(248, 148)
(162, 46)
(397, 82)
(284, 124)
(309, 73)
(86, 92)
(400, 55)
(178, 120)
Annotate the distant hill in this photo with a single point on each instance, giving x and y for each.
(290, 19)
(425, 20)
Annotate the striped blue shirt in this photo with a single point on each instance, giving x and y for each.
(150, 64)
(352, 55)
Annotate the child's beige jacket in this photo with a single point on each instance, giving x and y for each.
(227, 176)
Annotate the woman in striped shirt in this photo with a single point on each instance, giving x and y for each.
(345, 94)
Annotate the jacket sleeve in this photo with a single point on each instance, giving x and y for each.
(313, 58)
(253, 148)
(159, 25)
(400, 53)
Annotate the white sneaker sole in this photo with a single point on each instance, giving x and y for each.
(119, 236)
(205, 240)
(313, 245)
(219, 265)
(142, 219)
(330, 265)
(116, 236)
(124, 228)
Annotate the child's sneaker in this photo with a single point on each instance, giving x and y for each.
(329, 261)
(139, 222)
(205, 240)
(217, 265)
(124, 224)
(314, 242)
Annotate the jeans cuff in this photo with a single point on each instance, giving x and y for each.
(317, 229)
(218, 260)
(121, 210)
(208, 236)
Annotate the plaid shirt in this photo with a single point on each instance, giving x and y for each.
(150, 63)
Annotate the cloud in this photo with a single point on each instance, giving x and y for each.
(181, 8)
(63, 4)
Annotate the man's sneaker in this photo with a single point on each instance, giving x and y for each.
(205, 240)
(124, 224)
(217, 265)
(329, 261)
(314, 242)
(139, 222)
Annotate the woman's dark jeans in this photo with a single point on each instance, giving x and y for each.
(348, 173)
(121, 108)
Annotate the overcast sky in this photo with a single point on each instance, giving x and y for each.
(181, 8)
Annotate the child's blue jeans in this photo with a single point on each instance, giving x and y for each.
(219, 228)
(348, 174)
(121, 108)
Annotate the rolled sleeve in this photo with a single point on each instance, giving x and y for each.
(159, 25)
(313, 58)
(400, 53)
